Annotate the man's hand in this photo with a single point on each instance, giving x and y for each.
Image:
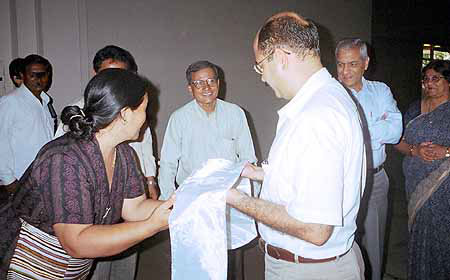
(153, 188)
(253, 172)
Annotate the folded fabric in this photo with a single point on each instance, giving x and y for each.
(202, 227)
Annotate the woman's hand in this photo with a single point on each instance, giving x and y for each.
(160, 217)
(429, 151)
(437, 151)
(423, 151)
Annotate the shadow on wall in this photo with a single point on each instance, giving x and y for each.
(223, 83)
(152, 112)
(327, 44)
(251, 124)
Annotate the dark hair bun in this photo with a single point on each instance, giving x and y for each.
(80, 125)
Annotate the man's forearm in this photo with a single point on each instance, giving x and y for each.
(276, 216)
(388, 131)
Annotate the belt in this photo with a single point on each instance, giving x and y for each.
(285, 255)
(378, 169)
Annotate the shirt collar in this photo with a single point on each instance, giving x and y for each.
(203, 113)
(306, 91)
(364, 87)
(30, 96)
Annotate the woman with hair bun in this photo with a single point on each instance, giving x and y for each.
(72, 198)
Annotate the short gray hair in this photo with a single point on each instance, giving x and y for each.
(200, 65)
(353, 43)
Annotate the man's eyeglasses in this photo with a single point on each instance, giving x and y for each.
(257, 66)
(433, 79)
(201, 84)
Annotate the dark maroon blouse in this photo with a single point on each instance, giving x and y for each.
(67, 183)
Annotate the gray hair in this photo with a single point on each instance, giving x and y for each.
(200, 65)
(353, 43)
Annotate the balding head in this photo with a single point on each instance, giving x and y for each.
(290, 31)
(287, 14)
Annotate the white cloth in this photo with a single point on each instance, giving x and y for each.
(199, 228)
(315, 166)
(144, 148)
(193, 136)
(25, 126)
(382, 115)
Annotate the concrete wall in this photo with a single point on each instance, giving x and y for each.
(165, 37)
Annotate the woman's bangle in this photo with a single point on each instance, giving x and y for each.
(411, 149)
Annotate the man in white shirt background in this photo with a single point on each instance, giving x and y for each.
(313, 179)
(26, 124)
(384, 122)
(123, 266)
(116, 57)
(204, 128)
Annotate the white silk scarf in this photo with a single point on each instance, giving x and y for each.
(202, 227)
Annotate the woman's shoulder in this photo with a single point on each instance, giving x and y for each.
(413, 111)
(64, 146)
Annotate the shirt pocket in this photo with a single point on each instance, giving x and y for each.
(228, 148)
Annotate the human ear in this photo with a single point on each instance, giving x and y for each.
(125, 114)
(366, 63)
(190, 90)
(282, 58)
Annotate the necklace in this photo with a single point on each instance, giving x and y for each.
(113, 166)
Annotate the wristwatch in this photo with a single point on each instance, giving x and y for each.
(447, 152)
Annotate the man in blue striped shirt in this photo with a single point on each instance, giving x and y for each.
(385, 126)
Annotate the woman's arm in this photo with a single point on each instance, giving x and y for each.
(404, 148)
(423, 150)
(139, 208)
(92, 241)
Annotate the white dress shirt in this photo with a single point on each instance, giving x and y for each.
(144, 149)
(315, 166)
(193, 136)
(25, 126)
(383, 117)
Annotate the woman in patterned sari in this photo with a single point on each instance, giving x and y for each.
(426, 144)
(71, 199)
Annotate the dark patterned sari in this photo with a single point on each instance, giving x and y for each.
(429, 242)
(67, 183)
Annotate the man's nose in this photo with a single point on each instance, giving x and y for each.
(346, 68)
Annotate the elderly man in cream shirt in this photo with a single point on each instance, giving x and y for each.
(203, 129)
